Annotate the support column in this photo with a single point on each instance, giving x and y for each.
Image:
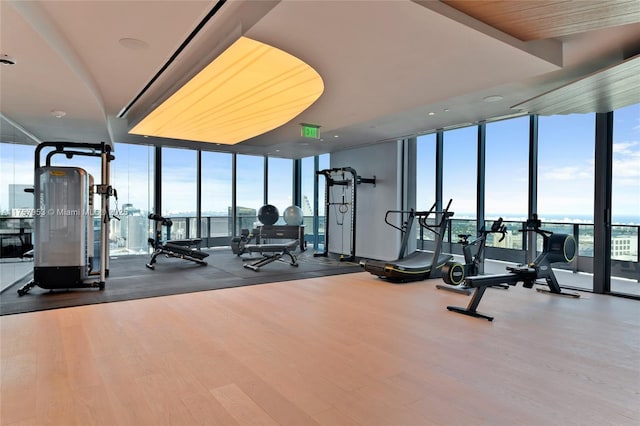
(533, 185)
(157, 187)
(439, 168)
(602, 203)
(198, 195)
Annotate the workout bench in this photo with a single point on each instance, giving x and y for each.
(188, 249)
(277, 252)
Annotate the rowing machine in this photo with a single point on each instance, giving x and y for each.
(556, 248)
(454, 273)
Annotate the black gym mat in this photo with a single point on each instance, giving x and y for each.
(130, 279)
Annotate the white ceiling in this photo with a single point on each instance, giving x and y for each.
(386, 65)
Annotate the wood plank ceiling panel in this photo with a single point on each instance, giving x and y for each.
(606, 90)
(530, 20)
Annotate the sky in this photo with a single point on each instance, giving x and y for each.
(565, 175)
(565, 167)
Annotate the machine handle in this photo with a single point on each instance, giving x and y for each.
(165, 220)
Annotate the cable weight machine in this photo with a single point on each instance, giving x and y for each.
(63, 219)
(347, 178)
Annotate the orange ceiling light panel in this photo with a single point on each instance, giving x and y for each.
(249, 89)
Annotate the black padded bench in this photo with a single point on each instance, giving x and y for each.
(277, 252)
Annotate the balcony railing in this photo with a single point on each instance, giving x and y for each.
(625, 244)
(129, 236)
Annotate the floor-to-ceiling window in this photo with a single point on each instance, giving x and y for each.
(249, 189)
(308, 199)
(307, 183)
(280, 184)
(132, 176)
(625, 201)
(323, 164)
(16, 205)
(216, 189)
(425, 180)
(566, 146)
(425, 171)
(314, 226)
(16, 174)
(506, 177)
(459, 178)
(179, 190)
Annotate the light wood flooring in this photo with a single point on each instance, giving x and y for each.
(338, 350)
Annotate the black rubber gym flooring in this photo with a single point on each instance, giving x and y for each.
(130, 279)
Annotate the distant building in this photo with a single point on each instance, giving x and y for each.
(246, 218)
(131, 231)
(624, 247)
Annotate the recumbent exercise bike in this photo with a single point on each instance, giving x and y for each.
(556, 248)
(188, 249)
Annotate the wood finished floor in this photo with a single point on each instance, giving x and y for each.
(338, 350)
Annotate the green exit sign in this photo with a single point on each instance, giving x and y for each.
(310, 131)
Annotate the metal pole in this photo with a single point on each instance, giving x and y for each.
(104, 214)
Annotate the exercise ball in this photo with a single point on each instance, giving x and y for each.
(292, 216)
(268, 214)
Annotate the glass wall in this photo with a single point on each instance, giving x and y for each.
(309, 202)
(566, 147)
(566, 170)
(179, 190)
(16, 174)
(625, 199)
(459, 178)
(425, 171)
(308, 179)
(217, 186)
(280, 184)
(249, 189)
(132, 176)
(323, 164)
(507, 177)
(625, 196)
(16, 206)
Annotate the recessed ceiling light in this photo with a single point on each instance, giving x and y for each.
(493, 98)
(432, 113)
(446, 110)
(58, 113)
(336, 136)
(133, 43)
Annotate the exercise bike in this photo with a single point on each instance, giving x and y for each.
(556, 248)
(188, 249)
(454, 273)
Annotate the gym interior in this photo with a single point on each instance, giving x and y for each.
(368, 236)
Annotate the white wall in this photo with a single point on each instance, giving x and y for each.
(374, 238)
